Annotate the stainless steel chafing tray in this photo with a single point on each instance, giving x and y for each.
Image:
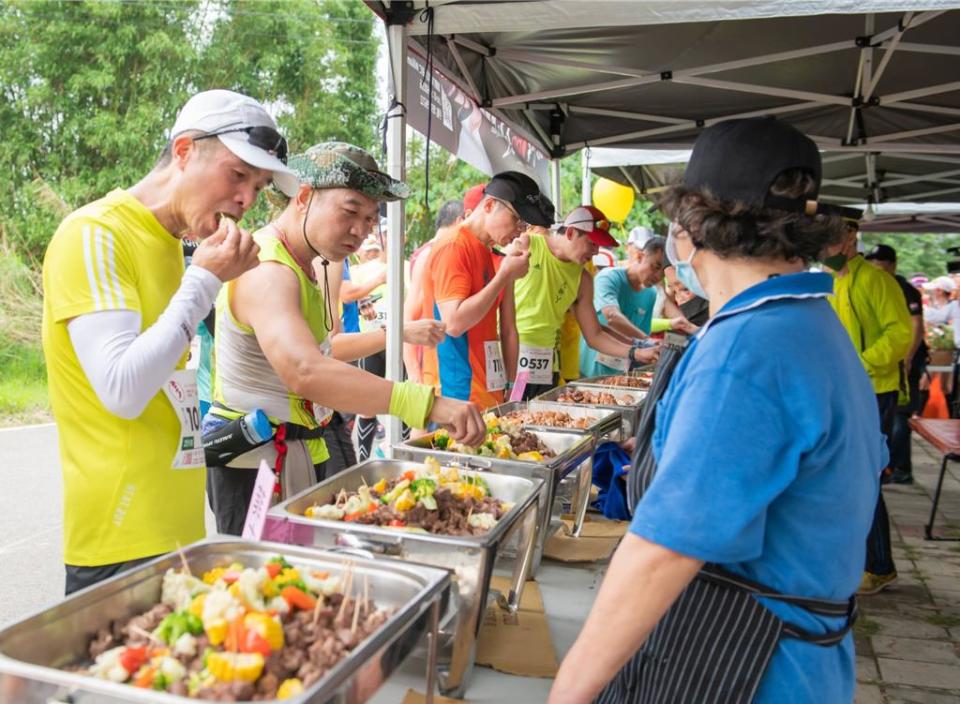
(604, 379)
(604, 423)
(32, 650)
(471, 558)
(574, 451)
(629, 413)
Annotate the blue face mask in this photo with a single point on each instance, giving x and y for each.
(686, 274)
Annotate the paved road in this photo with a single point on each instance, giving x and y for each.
(31, 523)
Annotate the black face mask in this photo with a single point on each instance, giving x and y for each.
(836, 261)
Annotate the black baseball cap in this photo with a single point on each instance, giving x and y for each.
(882, 253)
(523, 193)
(738, 160)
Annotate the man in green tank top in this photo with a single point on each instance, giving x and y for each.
(274, 350)
(555, 281)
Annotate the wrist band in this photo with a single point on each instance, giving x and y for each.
(412, 403)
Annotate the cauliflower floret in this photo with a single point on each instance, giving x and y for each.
(179, 589)
(249, 586)
(221, 605)
(185, 645)
(107, 666)
(327, 512)
(485, 521)
(326, 586)
(280, 605)
(171, 668)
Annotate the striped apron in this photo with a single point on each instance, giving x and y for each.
(715, 642)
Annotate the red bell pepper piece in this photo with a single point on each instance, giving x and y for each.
(132, 659)
(273, 569)
(297, 598)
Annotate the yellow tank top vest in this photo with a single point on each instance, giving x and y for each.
(243, 377)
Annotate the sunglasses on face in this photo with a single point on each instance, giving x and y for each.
(262, 137)
(519, 220)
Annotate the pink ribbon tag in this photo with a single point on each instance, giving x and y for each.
(259, 503)
(519, 386)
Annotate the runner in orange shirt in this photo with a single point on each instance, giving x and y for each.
(464, 290)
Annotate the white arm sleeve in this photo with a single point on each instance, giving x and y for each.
(125, 367)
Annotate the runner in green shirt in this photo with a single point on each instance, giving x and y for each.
(557, 280)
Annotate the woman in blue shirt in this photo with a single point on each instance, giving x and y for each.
(735, 581)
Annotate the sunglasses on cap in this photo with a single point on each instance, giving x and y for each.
(261, 136)
(597, 224)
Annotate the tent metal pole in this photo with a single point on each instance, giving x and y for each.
(596, 87)
(920, 93)
(935, 109)
(928, 157)
(822, 98)
(455, 52)
(887, 147)
(920, 19)
(645, 117)
(687, 125)
(929, 194)
(396, 167)
(896, 136)
(585, 196)
(556, 192)
(863, 74)
(940, 176)
(887, 55)
(927, 48)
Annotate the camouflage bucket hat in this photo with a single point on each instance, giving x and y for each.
(342, 165)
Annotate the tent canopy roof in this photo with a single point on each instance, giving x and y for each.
(872, 77)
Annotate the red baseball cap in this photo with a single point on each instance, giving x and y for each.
(472, 198)
(591, 220)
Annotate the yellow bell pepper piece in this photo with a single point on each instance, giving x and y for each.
(532, 455)
(405, 501)
(196, 606)
(216, 630)
(268, 628)
(503, 452)
(229, 667)
(288, 574)
(289, 688)
(211, 576)
(379, 487)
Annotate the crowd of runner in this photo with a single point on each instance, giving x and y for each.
(772, 418)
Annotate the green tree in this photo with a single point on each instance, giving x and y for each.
(917, 253)
(90, 88)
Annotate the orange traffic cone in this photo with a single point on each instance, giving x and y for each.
(937, 403)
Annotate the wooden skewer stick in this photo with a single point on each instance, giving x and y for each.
(345, 586)
(183, 560)
(366, 594)
(356, 612)
(148, 635)
(316, 609)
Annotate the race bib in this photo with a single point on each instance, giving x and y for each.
(496, 374)
(538, 361)
(619, 363)
(380, 308)
(322, 414)
(181, 390)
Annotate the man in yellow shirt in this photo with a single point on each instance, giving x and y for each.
(118, 315)
(874, 313)
(555, 281)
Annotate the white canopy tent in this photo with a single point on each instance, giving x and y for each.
(648, 170)
(858, 77)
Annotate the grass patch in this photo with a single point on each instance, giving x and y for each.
(865, 628)
(23, 385)
(943, 621)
